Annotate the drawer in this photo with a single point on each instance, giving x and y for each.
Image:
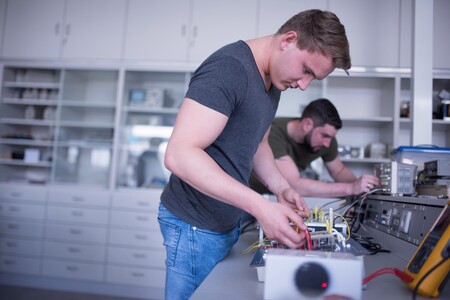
(137, 257)
(85, 197)
(22, 265)
(138, 238)
(72, 270)
(77, 215)
(21, 229)
(76, 233)
(132, 199)
(20, 247)
(136, 276)
(74, 251)
(23, 192)
(20, 210)
(144, 220)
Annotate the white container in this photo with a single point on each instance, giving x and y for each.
(419, 155)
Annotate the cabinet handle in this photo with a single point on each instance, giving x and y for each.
(183, 30)
(16, 194)
(68, 29)
(74, 249)
(138, 275)
(57, 28)
(72, 268)
(194, 32)
(77, 213)
(78, 199)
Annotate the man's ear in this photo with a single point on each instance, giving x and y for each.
(288, 38)
(308, 124)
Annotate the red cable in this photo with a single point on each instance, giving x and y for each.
(403, 276)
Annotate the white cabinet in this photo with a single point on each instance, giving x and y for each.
(193, 31)
(64, 29)
(22, 217)
(372, 29)
(441, 42)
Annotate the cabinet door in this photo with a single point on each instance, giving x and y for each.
(216, 23)
(372, 29)
(273, 14)
(33, 29)
(155, 30)
(441, 42)
(94, 29)
(2, 24)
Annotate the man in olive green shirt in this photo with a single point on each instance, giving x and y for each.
(296, 142)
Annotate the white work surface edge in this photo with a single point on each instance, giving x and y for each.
(233, 278)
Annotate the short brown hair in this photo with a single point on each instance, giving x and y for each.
(320, 31)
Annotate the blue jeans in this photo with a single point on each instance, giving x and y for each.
(191, 253)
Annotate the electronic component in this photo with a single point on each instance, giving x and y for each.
(437, 168)
(396, 178)
(297, 274)
(433, 250)
(407, 220)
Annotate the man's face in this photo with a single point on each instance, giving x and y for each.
(295, 68)
(320, 137)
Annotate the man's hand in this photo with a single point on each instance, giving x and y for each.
(274, 219)
(294, 201)
(365, 184)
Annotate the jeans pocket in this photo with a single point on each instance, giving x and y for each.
(171, 234)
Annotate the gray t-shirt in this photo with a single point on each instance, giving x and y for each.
(228, 82)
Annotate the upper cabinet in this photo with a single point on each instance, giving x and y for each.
(441, 58)
(273, 14)
(192, 32)
(50, 29)
(372, 29)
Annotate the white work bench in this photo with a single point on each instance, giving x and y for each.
(233, 278)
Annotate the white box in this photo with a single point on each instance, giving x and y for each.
(419, 155)
(291, 274)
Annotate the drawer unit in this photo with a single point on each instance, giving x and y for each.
(22, 265)
(85, 234)
(144, 219)
(75, 251)
(137, 238)
(77, 215)
(21, 229)
(137, 257)
(23, 192)
(136, 276)
(132, 199)
(22, 211)
(72, 270)
(20, 247)
(82, 197)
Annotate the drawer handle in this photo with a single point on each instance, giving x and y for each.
(74, 249)
(77, 213)
(76, 231)
(139, 255)
(78, 199)
(11, 245)
(141, 237)
(72, 268)
(138, 275)
(143, 203)
(16, 194)
(14, 208)
(13, 226)
(142, 218)
(9, 262)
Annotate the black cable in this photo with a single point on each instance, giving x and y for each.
(416, 288)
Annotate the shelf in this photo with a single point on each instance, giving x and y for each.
(18, 121)
(154, 110)
(84, 124)
(30, 102)
(372, 121)
(31, 85)
(366, 160)
(26, 142)
(18, 162)
(98, 104)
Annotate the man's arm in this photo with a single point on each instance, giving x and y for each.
(196, 127)
(314, 188)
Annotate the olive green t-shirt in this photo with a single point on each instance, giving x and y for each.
(282, 145)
